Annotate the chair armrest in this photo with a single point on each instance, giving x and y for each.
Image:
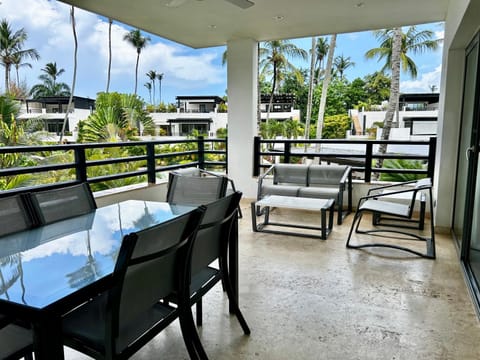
(390, 186)
(376, 196)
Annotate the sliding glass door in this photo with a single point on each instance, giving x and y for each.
(467, 192)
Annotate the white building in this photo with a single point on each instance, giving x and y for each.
(416, 118)
(52, 110)
(207, 114)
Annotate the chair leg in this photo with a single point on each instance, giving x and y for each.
(430, 242)
(190, 337)
(199, 312)
(231, 297)
(356, 217)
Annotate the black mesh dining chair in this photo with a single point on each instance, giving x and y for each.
(118, 322)
(212, 243)
(15, 214)
(179, 190)
(16, 341)
(62, 203)
(189, 187)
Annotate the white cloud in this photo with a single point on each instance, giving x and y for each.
(424, 83)
(50, 33)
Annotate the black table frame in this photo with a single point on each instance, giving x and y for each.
(325, 228)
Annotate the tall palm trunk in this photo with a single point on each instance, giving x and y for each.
(326, 83)
(7, 77)
(109, 53)
(70, 100)
(394, 92)
(18, 77)
(136, 71)
(274, 84)
(310, 88)
(153, 103)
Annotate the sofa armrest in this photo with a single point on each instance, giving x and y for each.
(260, 180)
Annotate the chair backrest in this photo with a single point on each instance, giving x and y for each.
(14, 215)
(422, 184)
(151, 264)
(290, 174)
(326, 174)
(214, 231)
(62, 203)
(195, 190)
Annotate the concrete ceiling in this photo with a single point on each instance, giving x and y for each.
(206, 23)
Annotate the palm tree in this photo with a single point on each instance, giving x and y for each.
(152, 75)
(139, 42)
(148, 85)
(341, 64)
(17, 59)
(11, 48)
(110, 21)
(160, 78)
(274, 60)
(321, 52)
(394, 48)
(50, 86)
(325, 84)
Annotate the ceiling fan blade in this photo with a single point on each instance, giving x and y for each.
(244, 4)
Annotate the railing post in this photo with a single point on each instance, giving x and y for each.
(201, 152)
(368, 161)
(432, 149)
(80, 163)
(256, 156)
(151, 166)
(286, 149)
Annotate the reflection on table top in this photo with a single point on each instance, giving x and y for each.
(41, 266)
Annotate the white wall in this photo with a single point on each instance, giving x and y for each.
(460, 26)
(242, 112)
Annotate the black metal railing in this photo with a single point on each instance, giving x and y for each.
(50, 166)
(362, 155)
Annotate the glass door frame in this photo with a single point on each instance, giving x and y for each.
(473, 163)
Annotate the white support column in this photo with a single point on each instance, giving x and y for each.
(242, 113)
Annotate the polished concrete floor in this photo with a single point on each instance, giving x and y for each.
(313, 299)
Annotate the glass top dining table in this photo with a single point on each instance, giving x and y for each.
(48, 270)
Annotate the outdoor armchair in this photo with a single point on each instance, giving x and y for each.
(378, 202)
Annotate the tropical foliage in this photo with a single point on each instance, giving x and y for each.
(288, 129)
(118, 117)
(402, 164)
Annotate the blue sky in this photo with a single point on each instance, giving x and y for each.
(186, 71)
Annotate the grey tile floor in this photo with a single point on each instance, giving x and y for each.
(313, 299)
